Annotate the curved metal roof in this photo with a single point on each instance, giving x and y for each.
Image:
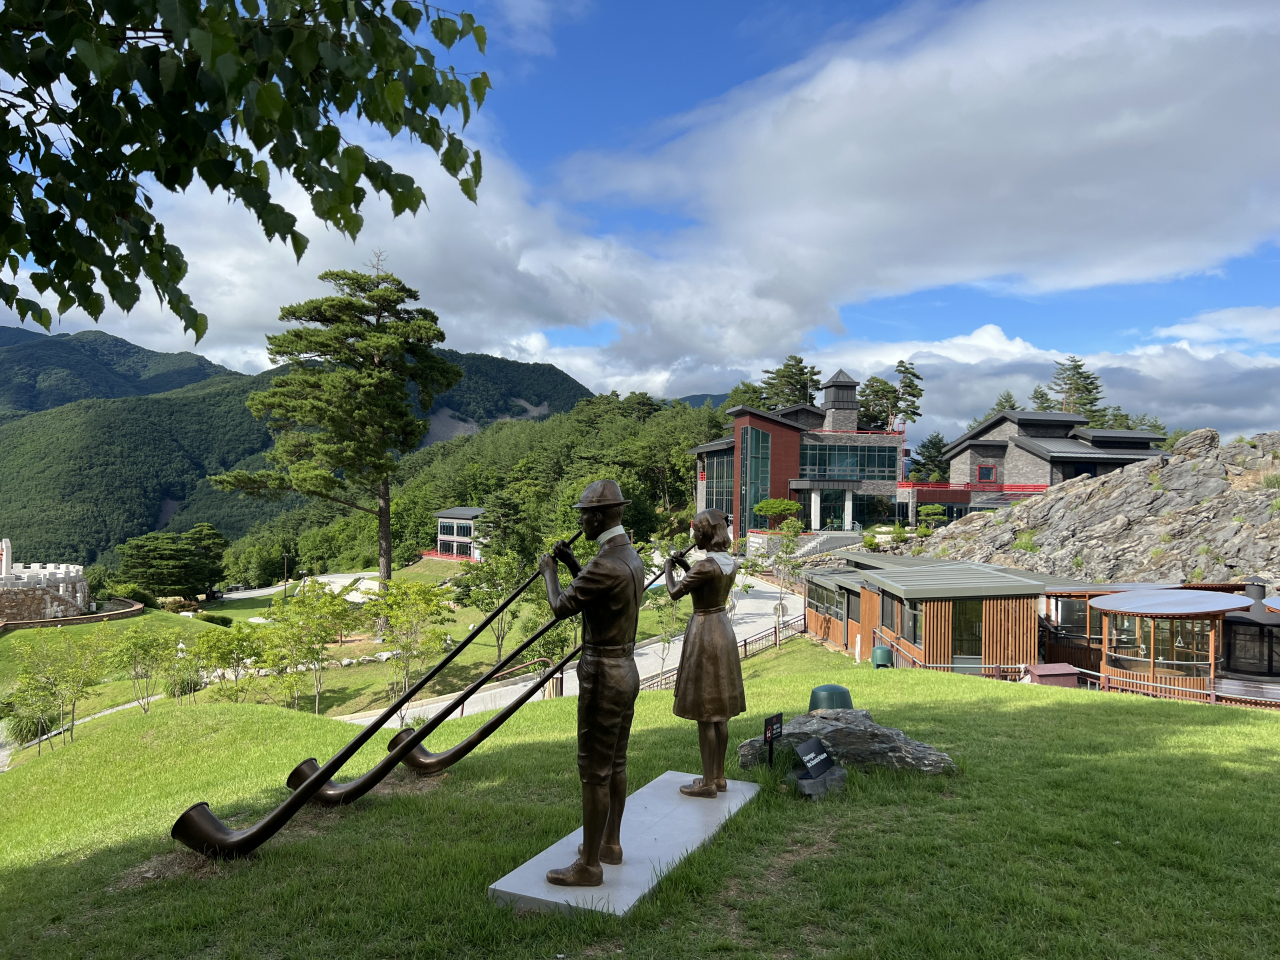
(1170, 603)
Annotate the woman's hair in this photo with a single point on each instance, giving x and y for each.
(717, 522)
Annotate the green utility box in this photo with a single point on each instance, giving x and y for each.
(881, 656)
(830, 696)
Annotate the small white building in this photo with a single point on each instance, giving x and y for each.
(456, 533)
(40, 591)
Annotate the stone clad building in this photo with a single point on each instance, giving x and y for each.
(40, 591)
(840, 475)
(1023, 447)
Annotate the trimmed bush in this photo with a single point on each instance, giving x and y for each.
(218, 618)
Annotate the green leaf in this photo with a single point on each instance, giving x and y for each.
(269, 101)
(351, 164)
(14, 262)
(407, 14)
(262, 173)
(481, 37)
(445, 30)
(97, 58)
(479, 87)
(394, 93)
(299, 243)
(476, 172)
(468, 188)
(202, 43)
(251, 7)
(170, 69)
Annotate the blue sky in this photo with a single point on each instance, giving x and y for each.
(678, 195)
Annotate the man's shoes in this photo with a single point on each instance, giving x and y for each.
(577, 874)
(721, 784)
(700, 788)
(610, 854)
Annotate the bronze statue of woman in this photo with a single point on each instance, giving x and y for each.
(709, 680)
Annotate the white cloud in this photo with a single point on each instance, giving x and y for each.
(1255, 324)
(1032, 147)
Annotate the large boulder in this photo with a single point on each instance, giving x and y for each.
(1198, 443)
(852, 738)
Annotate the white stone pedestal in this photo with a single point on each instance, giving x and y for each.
(660, 827)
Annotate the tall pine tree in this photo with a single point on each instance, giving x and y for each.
(1079, 389)
(790, 384)
(1040, 400)
(343, 415)
(1006, 401)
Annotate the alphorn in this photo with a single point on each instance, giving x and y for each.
(200, 829)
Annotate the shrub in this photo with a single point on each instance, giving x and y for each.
(218, 618)
(1196, 575)
(899, 534)
(1158, 552)
(1026, 541)
(1238, 518)
(1166, 538)
(178, 605)
(924, 530)
(1078, 563)
(134, 592)
(869, 541)
(1271, 481)
(1275, 505)
(1203, 550)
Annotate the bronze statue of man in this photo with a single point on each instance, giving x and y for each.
(608, 593)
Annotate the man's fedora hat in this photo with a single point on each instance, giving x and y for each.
(602, 493)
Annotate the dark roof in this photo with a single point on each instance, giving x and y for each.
(1064, 448)
(1138, 435)
(1018, 417)
(724, 443)
(742, 411)
(839, 377)
(460, 513)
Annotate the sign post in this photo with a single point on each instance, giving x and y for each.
(814, 757)
(772, 730)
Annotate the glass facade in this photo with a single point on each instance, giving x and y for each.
(1077, 620)
(1158, 645)
(831, 510)
(853, 598)
(1253, 648)
(753, 480)
(446, 528)
(463, 529)
(833, 461)
(966, 628)
(720, 481)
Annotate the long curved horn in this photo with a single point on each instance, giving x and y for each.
(336, 794)
(198, 827)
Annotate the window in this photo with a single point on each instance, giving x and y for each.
(462, 549)
(986, 474)
(889, 612)
(720, 481)
(831, 510)
(445, 546)
(464, 530)
(854, 604)
(913, 621)
(835, 461)
(966, 628)
(825, 601)
(446, 528)
(753, 480)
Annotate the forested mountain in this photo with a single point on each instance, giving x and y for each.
(526, 474)
(39, 372)
(78, 478)
(491, 388)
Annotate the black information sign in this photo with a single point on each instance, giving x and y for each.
(814, 756)
(772, 731)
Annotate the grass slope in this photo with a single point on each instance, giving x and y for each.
(1083, 825)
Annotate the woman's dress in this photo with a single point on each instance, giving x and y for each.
(709, 681)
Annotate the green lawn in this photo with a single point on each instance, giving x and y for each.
(1083, 825)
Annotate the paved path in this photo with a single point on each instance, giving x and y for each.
(333, 580)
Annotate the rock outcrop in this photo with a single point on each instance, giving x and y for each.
(852, 739)
(1177, 517)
